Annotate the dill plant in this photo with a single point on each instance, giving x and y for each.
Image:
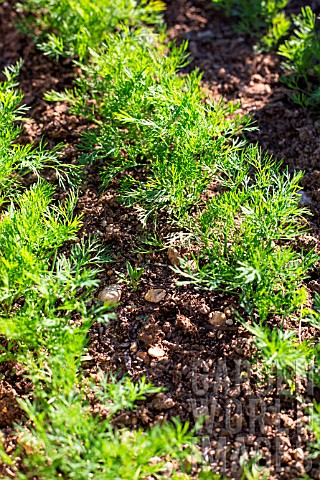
(263, 18)
(70, 28)
(313, 317)
(148, 115)
(282, 353)
(302, 60)
(244, 234)
(300, 48)
(151, 118)
(20, 160)
(46, 313)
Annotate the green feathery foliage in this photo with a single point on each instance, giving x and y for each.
(47, 311)
(263, 18)
(302, 60)
(70, 28)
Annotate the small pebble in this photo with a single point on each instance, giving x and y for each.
(110, 294)
(229, 321)
(156, 352)
(173, 255)
(155, 295)
(205, 35)
(299, 453)
(218, 319)
(9, 472)
(133, 347)
(143, 356)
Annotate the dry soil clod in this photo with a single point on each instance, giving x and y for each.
(162, 402)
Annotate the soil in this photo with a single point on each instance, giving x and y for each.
(205, 368)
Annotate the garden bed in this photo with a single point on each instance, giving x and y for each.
(204, 369)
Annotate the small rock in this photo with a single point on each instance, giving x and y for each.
(218, 319)
(133, 347)
(221, 72)
(143, 356)
(110, 294)
(229, 322)
(156, 352)
(173, 256)
(228, 312)
(9, 473)
(124, 345)
(200, 392)
(162, 402)
(155, 295)
(286, 457)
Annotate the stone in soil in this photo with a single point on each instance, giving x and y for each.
(218, 319)
(110, 294)
(156, 352)
(173, 255)
(143, 356)
(155, 295)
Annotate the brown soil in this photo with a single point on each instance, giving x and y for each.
(205, 369)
